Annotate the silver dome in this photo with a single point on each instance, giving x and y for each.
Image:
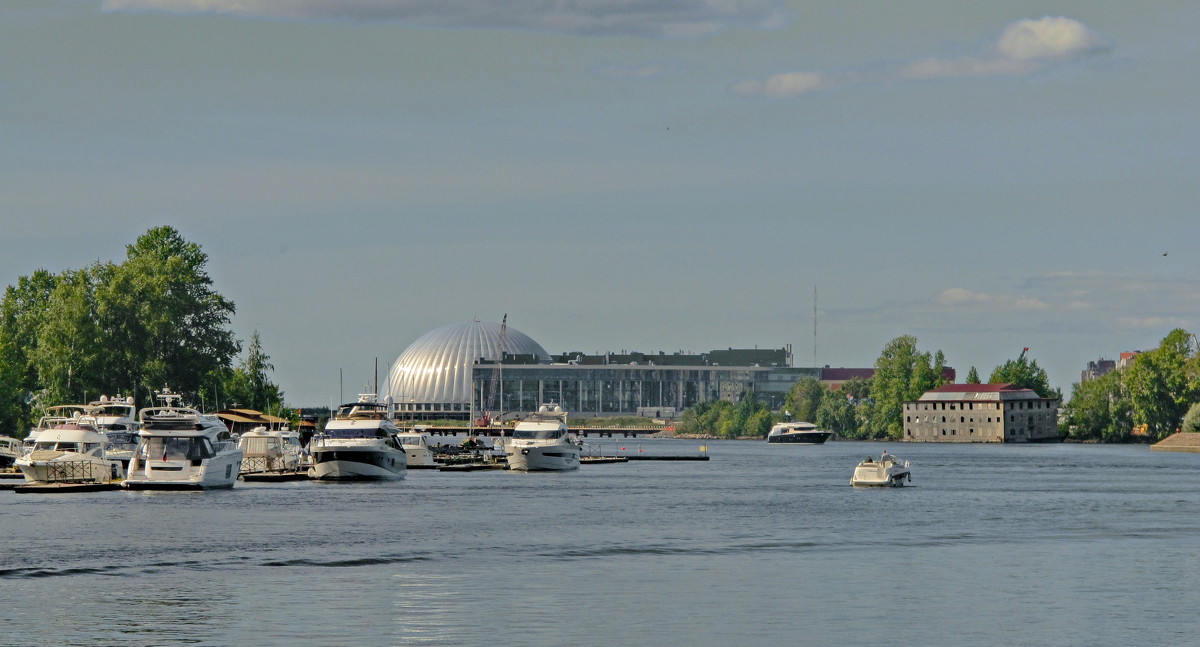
(434, 372)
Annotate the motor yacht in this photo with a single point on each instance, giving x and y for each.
(272, 450)
(116, 418)
(10, 451)
(69, 452)
(797, 433)
(180, 448)
(359, 443)
(56, 415)
(416, 448)
(887, 471)
(541, 442)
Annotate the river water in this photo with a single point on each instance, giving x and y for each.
(1040, 545)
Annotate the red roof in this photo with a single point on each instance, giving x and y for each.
(975, 388)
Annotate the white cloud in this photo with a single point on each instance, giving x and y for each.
(1023, 47)
(785, 85)
(648, 18)
(646, 71)
(1165, 324)
(960, 296)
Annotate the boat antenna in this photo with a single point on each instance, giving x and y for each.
(815, 364)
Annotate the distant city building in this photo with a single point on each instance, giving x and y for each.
(1096, 369)
(1126, 359)
(459, 370)
(981, 413)
(1102, 367)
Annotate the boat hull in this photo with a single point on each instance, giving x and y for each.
(801, 438)
(71, 468)
(219, 472)
(877, 475)
(556, 457)
(344, 464)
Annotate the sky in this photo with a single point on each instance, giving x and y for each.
(638, 175)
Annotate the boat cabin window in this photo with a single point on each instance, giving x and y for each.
(364, 432)
(411, 441)
(176, 448)
(59, 446)
(538, 434)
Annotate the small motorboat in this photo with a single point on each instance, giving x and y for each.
(888, 471)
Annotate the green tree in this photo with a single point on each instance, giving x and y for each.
(857, 388)
(1024, 374)
(902, 373)
(1159, 386)
(1100, 409)
(804, 399)
(973, 376)
(167, 323)
(23, 311)
(70, 352)
(250, 384)
(1191, 419)
(837, 415)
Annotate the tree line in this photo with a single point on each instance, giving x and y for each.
(151, 321)
(862, 409)
(1151, 398)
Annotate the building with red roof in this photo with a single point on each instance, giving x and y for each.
(981, 413)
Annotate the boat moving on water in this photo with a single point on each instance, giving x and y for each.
(359, 443)
(797, 433)
(541, 442)
(180, 448)
(888, 471)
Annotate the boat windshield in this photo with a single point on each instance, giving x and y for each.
(261, 445)
(191, 448)
(361, 432)
(411, 441)
(121, 440)
(64, 446)
(538, 434)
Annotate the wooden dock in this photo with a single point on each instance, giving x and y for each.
(66, 488)
(651, 457)
(601, 460)
(275, 477)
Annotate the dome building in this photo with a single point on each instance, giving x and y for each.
(433, 376)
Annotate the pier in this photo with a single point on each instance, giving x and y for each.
(584, 432)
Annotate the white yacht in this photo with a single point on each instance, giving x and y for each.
(798, 433)
(416, 448)
(10, 450)
(116, 418)
(180, 448)
(888, 471)
(69, 452)
(359, 443)
(56, 415)
(541, 442)
(271, 450)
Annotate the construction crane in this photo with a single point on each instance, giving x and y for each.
(485, 420)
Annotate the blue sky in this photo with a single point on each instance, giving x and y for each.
(624, 174)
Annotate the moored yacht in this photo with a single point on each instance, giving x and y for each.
(116, 418)
(417, 450)
(180, 448)
(541, 442)
(359, 443)
(69, 452)
(797, 433)
(10, 450)
(271, 450)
